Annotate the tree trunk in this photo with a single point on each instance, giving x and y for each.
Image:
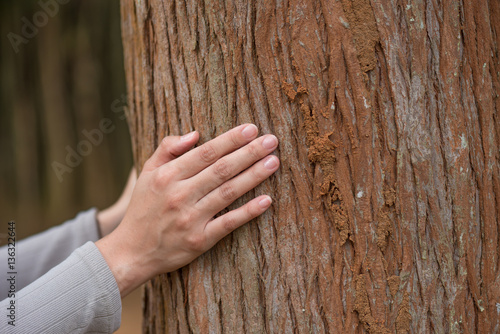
(387, 201)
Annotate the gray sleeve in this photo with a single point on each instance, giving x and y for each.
(80, 295)
(39, 253)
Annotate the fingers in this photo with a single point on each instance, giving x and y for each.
(203, 156)
(225, 224)
(170, 148)
(232, 164)
(227, 193)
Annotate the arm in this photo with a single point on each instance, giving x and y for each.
(79, 295)
(109, 218)
(169, 221)
(37, 254)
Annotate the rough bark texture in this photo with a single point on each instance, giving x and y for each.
(386, 205)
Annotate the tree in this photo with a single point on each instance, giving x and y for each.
(387, 203)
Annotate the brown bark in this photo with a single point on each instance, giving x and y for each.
(386, 205)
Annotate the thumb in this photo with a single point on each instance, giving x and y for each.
(170, 148)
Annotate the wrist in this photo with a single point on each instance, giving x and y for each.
(125, 262)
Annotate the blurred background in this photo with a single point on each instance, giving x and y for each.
(61, 74)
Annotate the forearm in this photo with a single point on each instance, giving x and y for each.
(79, 295)
(37, 254)
(109, 218)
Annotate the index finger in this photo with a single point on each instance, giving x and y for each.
(196, 160)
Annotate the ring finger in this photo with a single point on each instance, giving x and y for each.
(228, 192)
(232, 164)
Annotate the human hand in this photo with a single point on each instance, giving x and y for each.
(169, 221)
(109, 218)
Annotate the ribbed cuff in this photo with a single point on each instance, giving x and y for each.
(80, 295)
(110, 305)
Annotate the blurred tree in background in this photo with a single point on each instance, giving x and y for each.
(66, 77)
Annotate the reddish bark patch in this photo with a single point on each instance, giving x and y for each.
(364, 30)
(384, 228)
(390, 196)
(393, 283)
(322, 152)
(362, 306)
(403, 320)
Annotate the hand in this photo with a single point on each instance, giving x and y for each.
(108, 219)
(169, 221)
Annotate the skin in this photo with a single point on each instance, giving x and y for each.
(169, 221)
(109, 218)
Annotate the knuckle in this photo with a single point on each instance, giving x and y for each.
(162, 178)
(229, 223)
(196, 242)
(234, 140)
(252, 211)
(148, 165)
(188, 218)
(175, 202)
(253, 151)
(208, 153)
(183, 223)
(165, 143)
(227, 192)
(258, 172)
(222, 169)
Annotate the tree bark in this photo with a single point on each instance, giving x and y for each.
(387, 201)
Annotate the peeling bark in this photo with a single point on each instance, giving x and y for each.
(387, 202)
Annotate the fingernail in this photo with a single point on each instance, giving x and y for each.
(271, 162)
(188, 136)
(265, 202)
(270, 142)
(249, 131)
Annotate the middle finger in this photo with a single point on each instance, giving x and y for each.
(232, 164)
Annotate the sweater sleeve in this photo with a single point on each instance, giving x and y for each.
(80, 295)
(39, 253)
